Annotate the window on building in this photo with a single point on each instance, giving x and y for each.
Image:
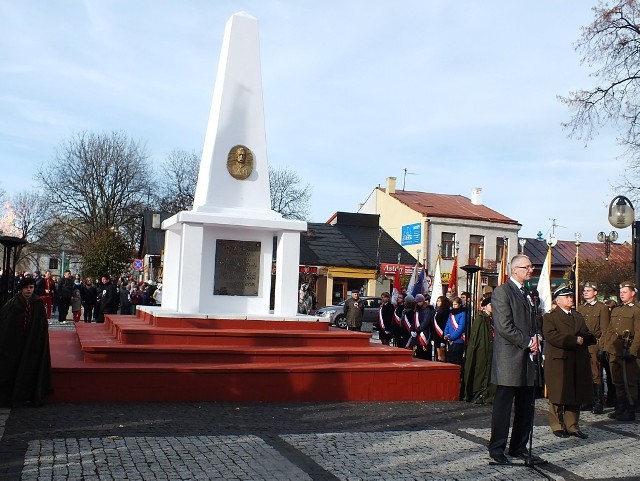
(53, 263)
(476, 243)
(500, 248)
(448, 245)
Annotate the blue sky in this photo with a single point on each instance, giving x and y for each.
(462, 94)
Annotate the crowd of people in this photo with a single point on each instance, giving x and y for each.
(582, 355)
(89, 299)
(25, 359)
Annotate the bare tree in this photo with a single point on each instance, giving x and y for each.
(29, 214)
(611, 44)
(289, 196)
(97, 182)
(177, 186)
(31, 211)
(607, 274)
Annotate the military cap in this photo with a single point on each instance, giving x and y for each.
(592, 285)
(563, 290)
(630, 284)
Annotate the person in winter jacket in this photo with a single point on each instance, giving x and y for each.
(422, 331)
(454, 332)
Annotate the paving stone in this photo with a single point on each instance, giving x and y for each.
(311, 441)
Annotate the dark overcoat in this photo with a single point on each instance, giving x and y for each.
(25, 361)
(513, 327)
(567, 367)
(477, 365)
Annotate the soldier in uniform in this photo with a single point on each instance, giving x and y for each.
(624, 318)
(567, 367)
(596, 316)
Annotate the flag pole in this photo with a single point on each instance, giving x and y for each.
(577, 286)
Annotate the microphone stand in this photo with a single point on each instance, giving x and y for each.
(529, 460)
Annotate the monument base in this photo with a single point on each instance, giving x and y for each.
(159, 356)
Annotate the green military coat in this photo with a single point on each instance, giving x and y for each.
(596, 316)
(623, 318)
(567, 368)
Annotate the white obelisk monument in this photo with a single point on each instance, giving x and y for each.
(219, 255)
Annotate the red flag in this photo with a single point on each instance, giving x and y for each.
(453, 278)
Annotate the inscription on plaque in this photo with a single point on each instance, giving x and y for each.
(237, 269)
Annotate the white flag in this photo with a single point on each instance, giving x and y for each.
(544, 284)
(413, 278)
(437, 283)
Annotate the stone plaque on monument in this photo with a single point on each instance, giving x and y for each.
(237, 268)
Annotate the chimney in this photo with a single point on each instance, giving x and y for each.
(391, 185)
(476, 196)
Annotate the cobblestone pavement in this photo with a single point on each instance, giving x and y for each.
(297, 442)
(323, 441)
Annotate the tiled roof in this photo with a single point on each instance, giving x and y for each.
(451, 206)
(354, 241)
(324, 245)
(564, 252)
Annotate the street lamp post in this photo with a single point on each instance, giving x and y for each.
(622, 215)
(607, 239)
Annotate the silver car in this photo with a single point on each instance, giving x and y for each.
(335, 314)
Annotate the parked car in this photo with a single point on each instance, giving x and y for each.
(335, 314)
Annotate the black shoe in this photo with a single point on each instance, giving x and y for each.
(597, 409)
(525, 456)
(560, 433)
(579, 434)
(499, 458)
(629, 414)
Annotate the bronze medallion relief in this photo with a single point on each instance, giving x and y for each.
(240, 162)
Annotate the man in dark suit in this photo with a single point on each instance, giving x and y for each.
(513, 370)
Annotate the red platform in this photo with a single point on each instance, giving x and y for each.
(149, 357)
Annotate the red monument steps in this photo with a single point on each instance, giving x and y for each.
(149, 357)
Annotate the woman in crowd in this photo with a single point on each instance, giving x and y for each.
(454, 332)
(423, 327)
(408, 316)
(397, 319)
(89, 296)
(440, 322)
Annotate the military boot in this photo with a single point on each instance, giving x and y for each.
(620, 409)
(598, 394)
(629, 413)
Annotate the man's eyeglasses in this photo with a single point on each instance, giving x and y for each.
(529, 268)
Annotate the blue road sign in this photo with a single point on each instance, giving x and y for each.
(411, 234)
